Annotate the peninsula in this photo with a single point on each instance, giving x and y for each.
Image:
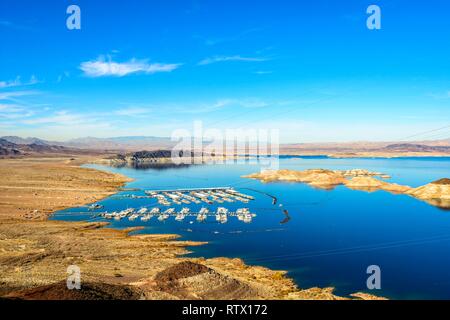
(436, 193)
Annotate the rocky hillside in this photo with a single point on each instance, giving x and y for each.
(10, 149)
(436, 193)
(408, 147)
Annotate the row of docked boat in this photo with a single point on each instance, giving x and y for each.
(146, 215)
(197, 196)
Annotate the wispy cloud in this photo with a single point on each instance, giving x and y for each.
(261, 72)
(105, 66)
(217, 59)
(9, 108)
(236, 37)
(133, 111)
(13, 25)
(14, 95)
(440, 96)
(17, 82)
(63, 76)
(14, 111)
(219, 105)
(59, 117)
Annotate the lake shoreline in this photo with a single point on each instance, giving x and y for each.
(44, 242)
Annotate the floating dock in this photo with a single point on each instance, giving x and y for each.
(197, 195)
(222, 214)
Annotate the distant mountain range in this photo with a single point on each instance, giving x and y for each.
(150, 143)
(132, 143)
(8, 148)
(365, 146)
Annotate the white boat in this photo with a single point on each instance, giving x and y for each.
(163, 217)
(169, 211)
(240, 213)
(202, 215)
(142, 211)
(223, 218)
(222, 210)
(133, 217)
(221, 215)
(95, 206)
(124, 213)
(182, 214)
(127, 211)
(180, 217)
(166, 214)
(247, 217)
(146, 217)
(109, 215)
(185, 210)
(155, 211)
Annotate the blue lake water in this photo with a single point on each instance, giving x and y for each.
(331, 237)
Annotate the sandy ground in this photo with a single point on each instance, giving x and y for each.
(35, 253)
(32, 188)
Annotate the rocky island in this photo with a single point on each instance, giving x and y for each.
(436, 193)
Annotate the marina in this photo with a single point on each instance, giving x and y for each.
(221, 214)
(198, 195)
(178, 204)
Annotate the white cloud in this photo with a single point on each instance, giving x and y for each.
(63, 76)
(220, 104)
(18, 82)
(60, 117)
(14, 111)
(133, 111)
(9, 108)
(262, 72)
(10, 83)
(13, 94)
(440, 95)
(103, 67)
(216, 59)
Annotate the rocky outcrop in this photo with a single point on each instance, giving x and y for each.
(11, 149)
(8, 148)
(89, 291)
(324, 179)
(436, 193)
(409, 147)
(372, 184)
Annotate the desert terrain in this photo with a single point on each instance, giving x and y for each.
(115, 264)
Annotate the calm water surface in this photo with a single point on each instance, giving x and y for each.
(331, 237)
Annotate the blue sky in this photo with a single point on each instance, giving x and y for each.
(311, 69)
